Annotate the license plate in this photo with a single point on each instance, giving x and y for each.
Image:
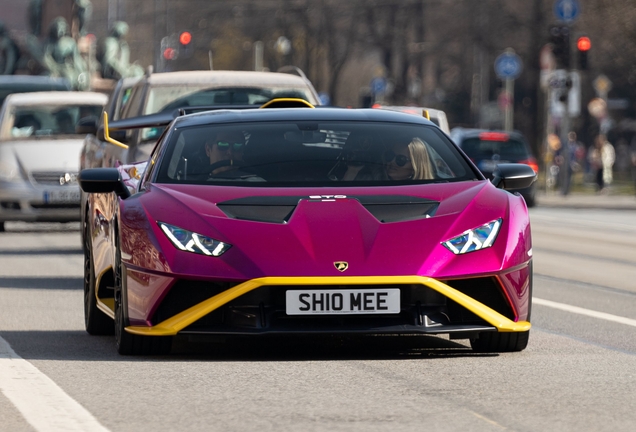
(343, 302)
(70, 196)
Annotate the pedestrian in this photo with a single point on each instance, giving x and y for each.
(632, 154)
(569, 163)
(608, 157)
(596, 163)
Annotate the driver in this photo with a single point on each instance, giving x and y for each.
(227, 146)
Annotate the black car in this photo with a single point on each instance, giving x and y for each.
(488, 148)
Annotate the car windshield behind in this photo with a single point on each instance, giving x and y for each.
(167, 98)
(45, 120)
(495, 146)
(311, 153)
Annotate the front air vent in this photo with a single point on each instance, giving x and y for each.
(396, 208)
(262, 213)
(261, 209)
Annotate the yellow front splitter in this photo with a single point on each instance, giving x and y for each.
(173, 325)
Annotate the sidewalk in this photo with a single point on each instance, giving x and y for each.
(579, 200)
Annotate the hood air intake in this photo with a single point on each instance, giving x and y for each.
(278, 209)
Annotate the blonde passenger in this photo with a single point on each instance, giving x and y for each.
(422, 167)
(408, 162)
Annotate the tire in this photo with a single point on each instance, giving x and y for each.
(531, 201)
(493, 342)
(128, 343)
(1, 226)
(95, 321)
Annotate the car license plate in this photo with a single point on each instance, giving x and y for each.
(62, 196)
(343, 302)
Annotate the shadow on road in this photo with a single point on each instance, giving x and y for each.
(79, 346)
(63, 283)
(35, 227)
(23, 252)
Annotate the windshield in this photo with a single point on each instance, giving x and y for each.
(508, 148)
(311, 153)
(167, 98)
(50, 119)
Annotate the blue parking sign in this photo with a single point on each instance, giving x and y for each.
(566, 10)
(508, 65)
(378, 85)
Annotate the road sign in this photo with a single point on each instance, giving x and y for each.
(602, 86)
(378, 85)
(508, 65)
(567, 10)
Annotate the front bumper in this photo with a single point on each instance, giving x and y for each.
(30, 203)
(428, 306)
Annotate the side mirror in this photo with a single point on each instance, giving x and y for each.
(513, 176)
(103, 180)
(119, 135)
(86, 126)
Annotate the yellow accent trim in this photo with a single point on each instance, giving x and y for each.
(107, 134)
(279, 100)
(173, 325)
(107, 306)
(426, 114)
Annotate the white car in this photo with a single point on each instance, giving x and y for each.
(39, 154)
(436, 116)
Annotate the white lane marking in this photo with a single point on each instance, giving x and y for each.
(583, 311)
(42, 403)
(487, 420)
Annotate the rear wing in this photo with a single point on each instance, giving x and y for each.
(165, 118)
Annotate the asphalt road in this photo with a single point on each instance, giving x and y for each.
(578, 372)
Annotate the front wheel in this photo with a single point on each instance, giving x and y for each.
(493, 342)
(128, 343)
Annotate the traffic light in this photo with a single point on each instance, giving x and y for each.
(169, 49)
(169, 53)
(560, 40)
(583, 45)
(185, 42)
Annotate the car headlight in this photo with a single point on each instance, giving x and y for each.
(8, 172)
(475, 239)
(193, 242)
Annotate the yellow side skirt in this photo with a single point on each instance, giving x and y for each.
(173, 325)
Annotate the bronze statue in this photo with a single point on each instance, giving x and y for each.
(8, 52)
(82, 12)
(61, 58)
(35, 16)
(115, 55)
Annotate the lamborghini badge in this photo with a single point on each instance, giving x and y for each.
(341, 265)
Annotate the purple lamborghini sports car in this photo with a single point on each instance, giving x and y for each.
(306, 221)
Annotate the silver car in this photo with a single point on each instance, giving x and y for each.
(39, 154)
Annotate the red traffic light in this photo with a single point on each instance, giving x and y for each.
(584, 43)
(169, 53)
(185, 38)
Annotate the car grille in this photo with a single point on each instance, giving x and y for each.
(263, 309)
(55, 206)
(486, 290)
(48, 177)
(185, 294)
